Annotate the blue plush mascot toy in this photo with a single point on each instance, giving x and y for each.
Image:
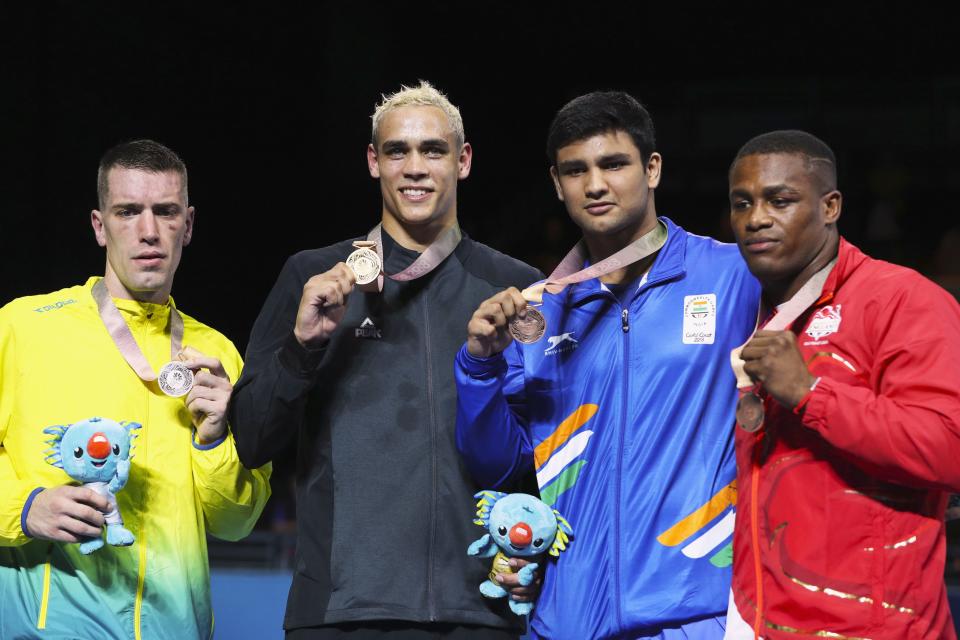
(519, 525)
(96, 452)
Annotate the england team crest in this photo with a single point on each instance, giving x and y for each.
(824, 322)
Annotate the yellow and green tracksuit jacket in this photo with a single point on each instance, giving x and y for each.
(58, 365)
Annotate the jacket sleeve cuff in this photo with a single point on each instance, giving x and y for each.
(26, 510)
(297, 359)
(802, 405)
(814, 408)
(209, 445)
(481, 368)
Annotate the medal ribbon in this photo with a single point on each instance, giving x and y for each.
(787, 312)
(126, 344)
(438, 251)
(569, 270)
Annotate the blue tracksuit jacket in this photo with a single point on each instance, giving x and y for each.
(626, 412)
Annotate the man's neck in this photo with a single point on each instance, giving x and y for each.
(416, 237)
(601, 247)
(116, 289)
(778, 292)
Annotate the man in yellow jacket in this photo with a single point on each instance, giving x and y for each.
(94, 350)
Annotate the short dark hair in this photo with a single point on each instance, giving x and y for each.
(601, 112)
(793, 141)
(145, 155)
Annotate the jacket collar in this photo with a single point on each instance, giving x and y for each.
(669, 264)
(849, 258)
(396, 257)
(132, 309)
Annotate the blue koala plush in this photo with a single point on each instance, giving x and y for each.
(519, 525)
(96, 452)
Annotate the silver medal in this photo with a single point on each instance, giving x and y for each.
(175, 379)
(365, 265)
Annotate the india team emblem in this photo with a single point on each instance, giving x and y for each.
(824, 322)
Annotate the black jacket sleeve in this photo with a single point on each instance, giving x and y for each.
(268, 400)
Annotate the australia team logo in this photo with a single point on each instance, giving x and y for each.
(824, 322)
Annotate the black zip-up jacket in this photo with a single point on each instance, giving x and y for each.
(384, 504)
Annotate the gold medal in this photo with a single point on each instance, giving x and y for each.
(365, 264)
(175, 379)
(530, 328)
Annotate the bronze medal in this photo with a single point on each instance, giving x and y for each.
(750, 412)
(530, 328)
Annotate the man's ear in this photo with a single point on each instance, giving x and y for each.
(188, 223)
(832, 204)
(96, 221)
(654, 167)
(465, 161)
(556, 182)
(372, 165)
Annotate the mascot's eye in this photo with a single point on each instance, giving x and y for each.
(538, 542)
(78, 452)
(502, 531)
(116, 449)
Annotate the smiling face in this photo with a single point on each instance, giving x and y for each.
(606, 186)
(783, 213)
(418, 162)
(144, 225)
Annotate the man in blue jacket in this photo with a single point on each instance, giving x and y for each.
(625, 405)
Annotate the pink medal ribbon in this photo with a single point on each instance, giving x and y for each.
(531, 328)
(174, 378)
(368, 266)
(750, 411)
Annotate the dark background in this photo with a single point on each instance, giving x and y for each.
(269, 105)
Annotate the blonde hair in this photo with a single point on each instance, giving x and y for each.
(423, 95)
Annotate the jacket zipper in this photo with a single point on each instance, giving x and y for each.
(755, 536)
(431, 604)
(625, 327)
(141, 535)
(45, 598)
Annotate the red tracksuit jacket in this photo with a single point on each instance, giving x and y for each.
(840, 528)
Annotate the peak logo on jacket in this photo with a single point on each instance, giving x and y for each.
(368, 330)
(699, 318)
(824, 322)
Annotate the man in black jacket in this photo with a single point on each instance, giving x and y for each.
(363, 377)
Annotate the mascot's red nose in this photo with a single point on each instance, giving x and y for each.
(520, 534)
(98, 446)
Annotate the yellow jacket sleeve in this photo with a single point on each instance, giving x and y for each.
(232, 496)
(14, 492)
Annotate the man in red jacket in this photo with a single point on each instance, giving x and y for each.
(849, 423)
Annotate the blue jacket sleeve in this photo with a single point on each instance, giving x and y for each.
(492, 434)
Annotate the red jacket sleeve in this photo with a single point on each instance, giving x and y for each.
(904, 427)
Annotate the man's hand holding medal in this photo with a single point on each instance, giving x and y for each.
(207, 400)
(322, 305)
(495, 323)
